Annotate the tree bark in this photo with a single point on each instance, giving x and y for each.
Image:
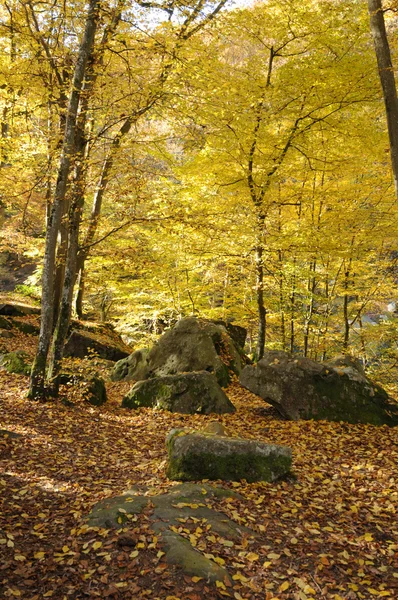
(36, 389)
(387, 79)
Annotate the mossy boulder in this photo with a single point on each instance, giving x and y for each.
(192, 345)
(5, 323)
(16, 362)
(133, 367)
(107, 345)
(337, 390)
(187, 393)
(198, 455)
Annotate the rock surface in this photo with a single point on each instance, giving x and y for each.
(185, 501)
(187, 393)
(192, 345)
(93, 388)
(134, 367)
(199, 455)
(85, 343)
(94, 391)
(337, 390)
(16, 362)
(13, 309)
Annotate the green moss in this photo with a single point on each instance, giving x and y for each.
(5, 323)
(351, 404)
(232, 467)
(16, 362)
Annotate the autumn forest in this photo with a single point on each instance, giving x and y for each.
(198, 239)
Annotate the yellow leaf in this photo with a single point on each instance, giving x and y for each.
(267, 564)
(368, 537)
(284, 586)
(48, 594)
(134, 554)
(196, 579)
(97, 545)
(39, 554)
(252, 556)
(65, 549)
(220, 585)
(219, 560)
(273, 556)
(309, 590)
(19, 557)
(15, 593)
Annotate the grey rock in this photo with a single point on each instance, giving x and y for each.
(336, 390)
(187, 393)
(24, 327)
(9, 434)
(193, 345)
(94, 391)
(5, 334)
(134, 367)
(13, 309)
(5, 323)
(197, 455)
(84, 343)
(181, 502)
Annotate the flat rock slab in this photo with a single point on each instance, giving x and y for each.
(198, 455)
(183, 501)
(337, 390)
(18, 310)
(187, 393)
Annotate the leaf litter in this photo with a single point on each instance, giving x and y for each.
(328, 531)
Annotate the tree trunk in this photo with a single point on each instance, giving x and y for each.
(36, 389)
(345, 311)
(310, 306)
(262, 313)
(387, 79)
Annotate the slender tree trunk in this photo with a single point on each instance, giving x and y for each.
(68, 151)
(282, 300)
(292, 314)
(387, 79)
(310, 307)
(262, 313)
(346, 284)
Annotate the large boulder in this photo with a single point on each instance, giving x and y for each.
(193, 345)
(133, 367)
(106, 345)
(337, 390)
(187, 393)
(203, 455)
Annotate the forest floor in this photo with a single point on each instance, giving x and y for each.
(329, 532)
